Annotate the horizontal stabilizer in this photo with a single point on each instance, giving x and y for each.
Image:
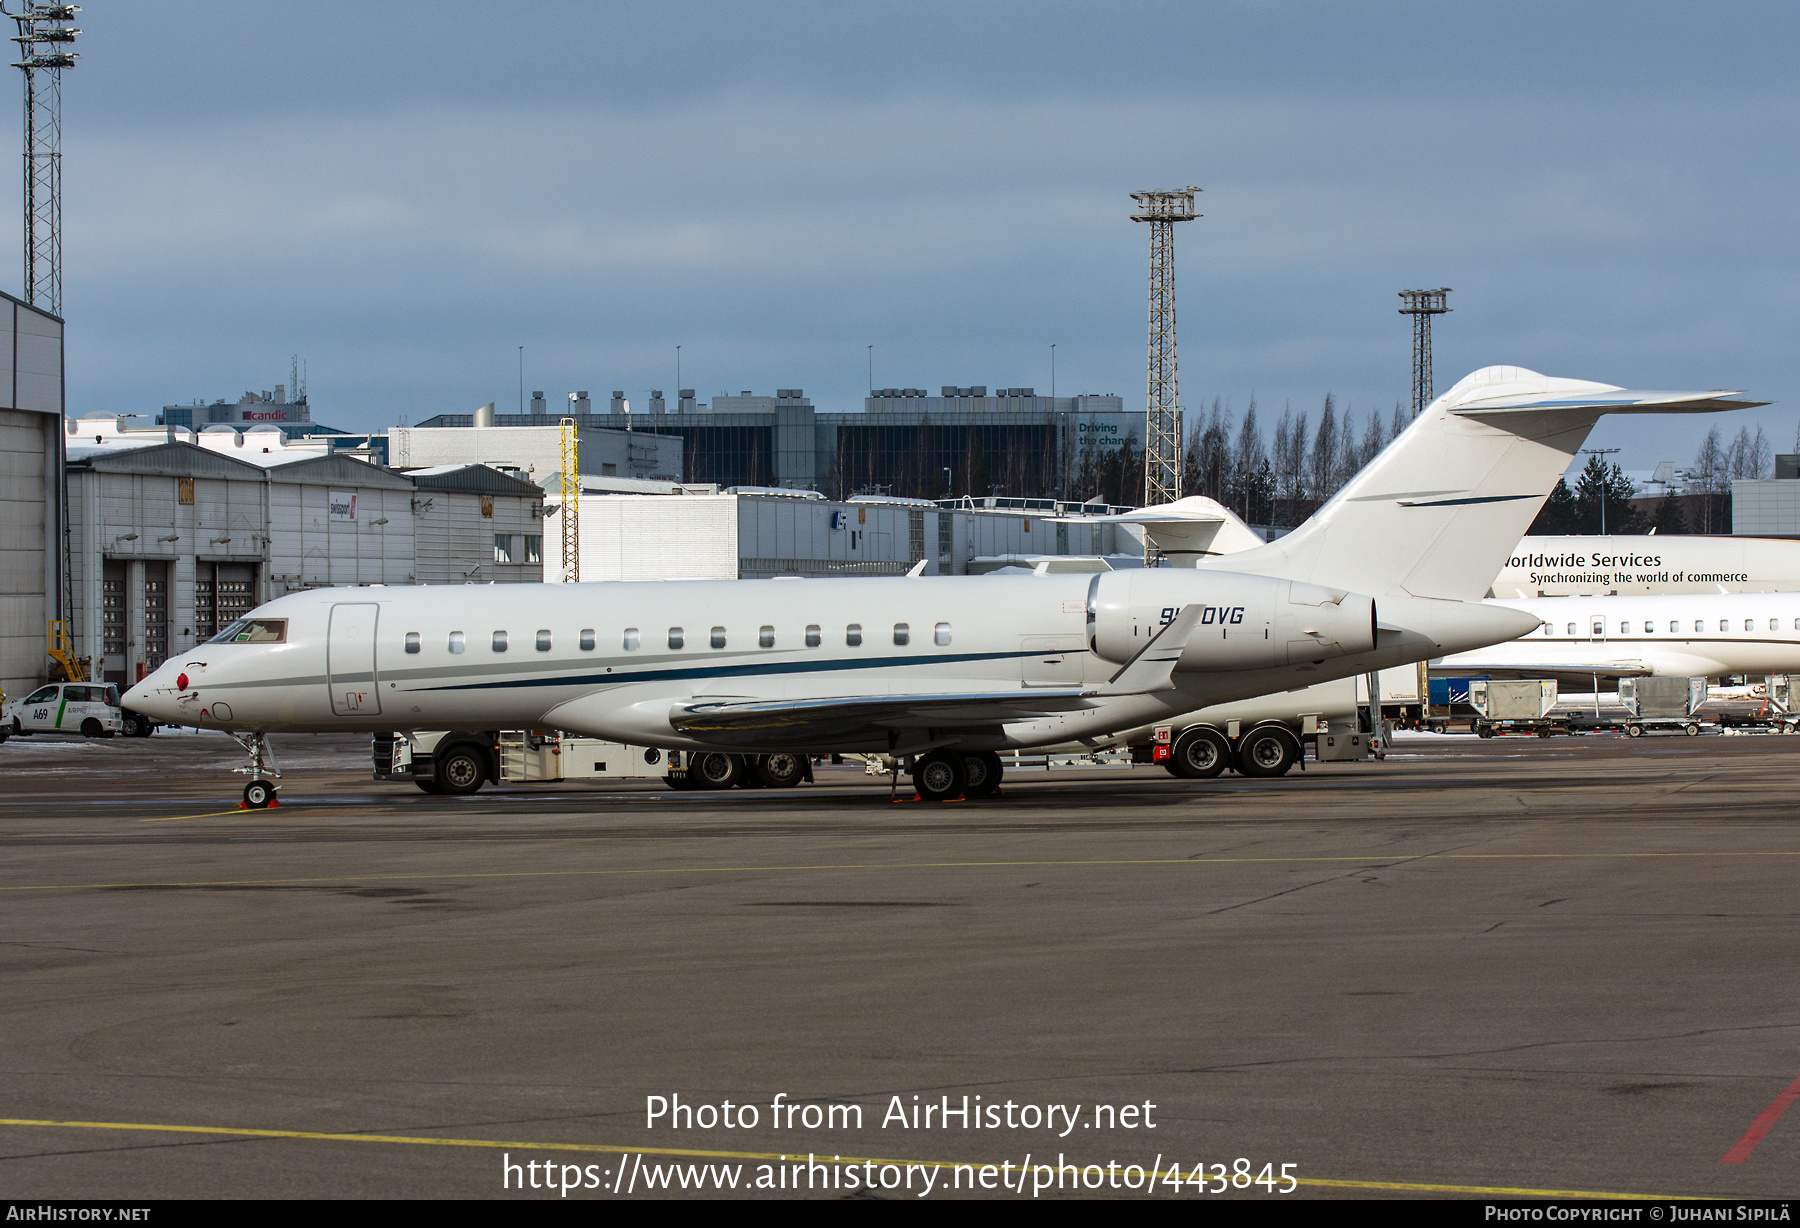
(1185, 530)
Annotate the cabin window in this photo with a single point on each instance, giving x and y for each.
(631, 639)
(1624, 628)
(1699, 625)
(587, 639)
(1724, 625)
(543, 641)
(1774, 624)
(1674, 626)
(499, 641)
(812, 635)
(1649, 627)
(412, 641)
(456, 642)
(853, 635)
(676, 639)
(765, 637)
(718, 637)
(1571, 628)
(940, 634)
(1749, 624)
(901, 633)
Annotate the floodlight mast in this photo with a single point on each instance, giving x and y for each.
(43, 40)
(1421, 305)
(1162, 409)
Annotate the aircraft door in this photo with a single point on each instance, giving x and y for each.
(1053, 660)
(350, 659)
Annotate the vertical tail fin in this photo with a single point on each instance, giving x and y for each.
(1437, 513)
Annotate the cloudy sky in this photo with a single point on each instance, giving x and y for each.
(405, 193)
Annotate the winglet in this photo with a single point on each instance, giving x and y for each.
(1152, 669)
(918, 569)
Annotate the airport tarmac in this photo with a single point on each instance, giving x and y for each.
(1516, 965)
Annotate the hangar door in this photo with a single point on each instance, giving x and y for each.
(350, 659)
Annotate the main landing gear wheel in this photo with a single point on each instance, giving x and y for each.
(1199, 754)
(1267, 752)
(939, 776)
(981, 774)
(714, 770)
(259, 795)
(780, 771)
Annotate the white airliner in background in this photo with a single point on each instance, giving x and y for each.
(942, 670)
(1681, 636)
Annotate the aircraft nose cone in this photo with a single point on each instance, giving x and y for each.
(145, 697)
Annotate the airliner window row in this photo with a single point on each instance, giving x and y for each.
(1674, 627)
(632, 639)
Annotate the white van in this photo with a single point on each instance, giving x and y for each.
(87, 708)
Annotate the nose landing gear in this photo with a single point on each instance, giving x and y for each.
(259, 794)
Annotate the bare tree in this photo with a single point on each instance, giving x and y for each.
(1374, 439)
(1710, 476)
(1349, 459)
(1324, 452)
(1250, 463)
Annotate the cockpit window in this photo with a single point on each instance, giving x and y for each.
(253, 631)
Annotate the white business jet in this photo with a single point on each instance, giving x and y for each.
(944, 671)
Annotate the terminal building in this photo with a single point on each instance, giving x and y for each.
(1768, 507)
(904, 443)
(176, 534)
(749, 533)
(33, 561)
(642, 455)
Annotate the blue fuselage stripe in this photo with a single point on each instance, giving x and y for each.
(737, 671)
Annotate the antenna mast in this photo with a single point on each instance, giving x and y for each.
(1162, 411)
(43, 40)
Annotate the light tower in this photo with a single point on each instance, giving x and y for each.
(1162, 411)
(44, 37)
(1421, 305)
(571, 501)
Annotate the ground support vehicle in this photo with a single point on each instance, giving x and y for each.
(1449, 703)
(1669, 704)
(1265, 736)
(88, 708)
(1779, 713)
(529, 756)
(717, 769)
(1525, 705)
(439, 761)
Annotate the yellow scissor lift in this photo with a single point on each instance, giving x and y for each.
(63, 653)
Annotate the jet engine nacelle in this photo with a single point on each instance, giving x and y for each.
(1246, 622)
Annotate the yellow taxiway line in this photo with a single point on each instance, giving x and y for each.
(778, 1157)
